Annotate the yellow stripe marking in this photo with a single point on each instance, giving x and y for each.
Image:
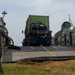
(49, 51)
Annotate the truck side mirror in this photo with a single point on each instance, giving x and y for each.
(23, 32)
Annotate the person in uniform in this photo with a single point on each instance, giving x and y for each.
(6, 40)
(2, 35)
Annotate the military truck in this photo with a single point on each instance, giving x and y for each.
(37, 31)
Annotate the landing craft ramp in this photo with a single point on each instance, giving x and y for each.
(39, 53)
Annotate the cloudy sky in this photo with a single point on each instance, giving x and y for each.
(19, 10)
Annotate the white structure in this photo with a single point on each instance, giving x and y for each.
(57, 38)
(73, 37)
(68, 37)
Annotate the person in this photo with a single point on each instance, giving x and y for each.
(6, 40)
(2, 35)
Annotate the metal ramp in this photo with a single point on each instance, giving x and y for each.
(39, 53)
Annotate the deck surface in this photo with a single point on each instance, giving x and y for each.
(31, 52)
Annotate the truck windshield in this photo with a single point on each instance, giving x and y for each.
(38, 26)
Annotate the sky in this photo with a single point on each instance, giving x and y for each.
(19, 10)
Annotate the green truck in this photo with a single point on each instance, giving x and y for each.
(37, 31)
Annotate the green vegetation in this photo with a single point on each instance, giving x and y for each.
(40, 68)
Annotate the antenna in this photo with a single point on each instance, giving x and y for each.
(71, 22)
(4, 13)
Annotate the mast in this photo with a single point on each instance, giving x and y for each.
(71, 22)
